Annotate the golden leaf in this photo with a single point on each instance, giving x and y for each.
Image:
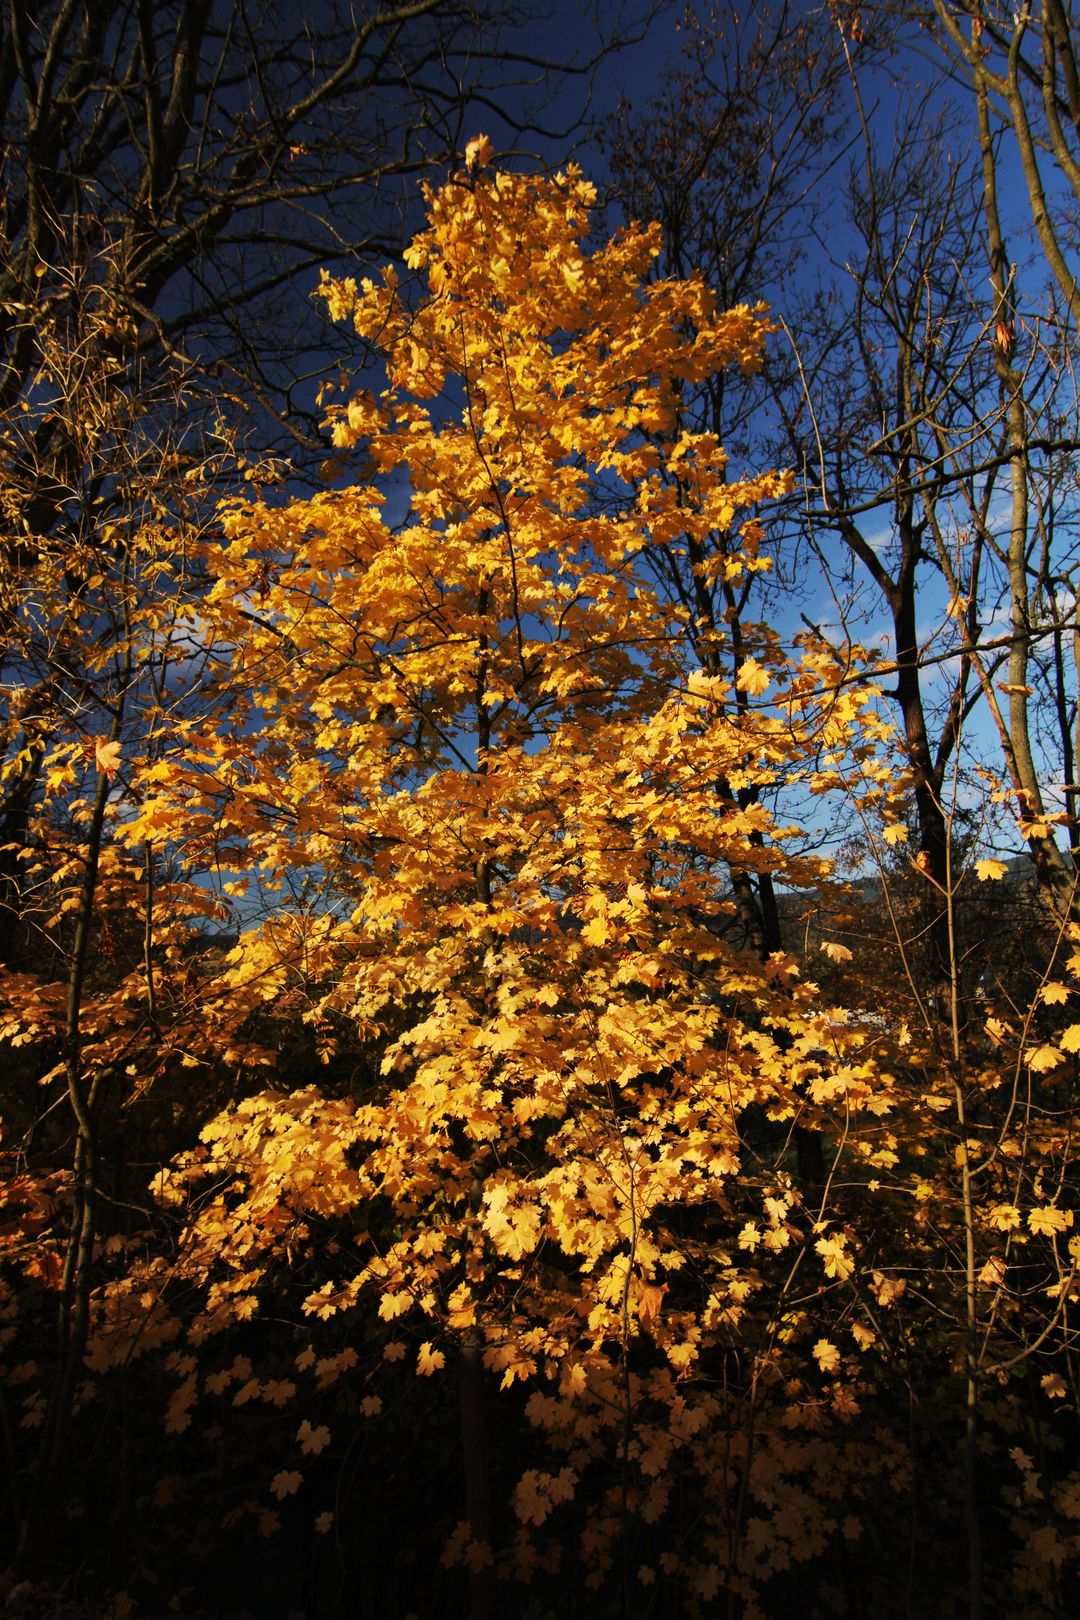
(478, 152)
(827, 1356)
(752, 678)
(106, 755)
(1047, 1219)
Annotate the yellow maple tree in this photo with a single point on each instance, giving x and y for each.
(460, 744)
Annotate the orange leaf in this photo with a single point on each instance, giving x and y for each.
(106, 755)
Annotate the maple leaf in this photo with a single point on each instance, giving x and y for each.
(106, 755)
(477, 1556)
(395, 1304)
(455, 1546)
(278, 1391)
(178, 1417)
(313, 1440)
(478, 152)
(699, 683)
(833, 1251)
(836, 951)
(1054, 994)
(1047, 1219)
(752, 678)
(532, 1502)
(1043, 1058)
(990, 870)
(429, 1361)
(827, 1356)
(286, 1483)
(887, 1290)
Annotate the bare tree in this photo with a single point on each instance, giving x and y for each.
(1021, 63)
(739, 135)
(204, 156)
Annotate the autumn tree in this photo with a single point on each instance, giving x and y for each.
(965, 340)
(1020, 70)
(458, 702)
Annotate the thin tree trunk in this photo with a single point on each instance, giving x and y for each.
(73, 1313)
(972, 1524)
(482, 1593)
